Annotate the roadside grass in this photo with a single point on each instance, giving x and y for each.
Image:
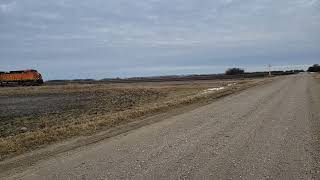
(109, 107)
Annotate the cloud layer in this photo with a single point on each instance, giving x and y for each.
(96, 38)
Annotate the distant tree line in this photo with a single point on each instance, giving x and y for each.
(239, 71)
(314, 68)
(235, 71)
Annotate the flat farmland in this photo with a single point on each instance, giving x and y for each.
(33, 117)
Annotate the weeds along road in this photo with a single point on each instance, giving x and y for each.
(266, 132)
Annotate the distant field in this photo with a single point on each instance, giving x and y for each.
(184, 78)
(31, 117)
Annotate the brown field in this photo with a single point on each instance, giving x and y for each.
(32, 117)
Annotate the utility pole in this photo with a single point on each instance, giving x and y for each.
(269, 70)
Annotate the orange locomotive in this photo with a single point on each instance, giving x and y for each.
(25, 77)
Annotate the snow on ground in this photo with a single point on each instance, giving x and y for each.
(232, 84)
(210, 90)
(207, 91)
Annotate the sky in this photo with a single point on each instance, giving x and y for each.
(71, 39)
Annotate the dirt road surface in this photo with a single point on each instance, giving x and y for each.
(266, 132)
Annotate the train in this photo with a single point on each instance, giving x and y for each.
(23, 77)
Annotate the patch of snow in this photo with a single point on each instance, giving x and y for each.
(216, 89)
(212, 90)
(232, 84)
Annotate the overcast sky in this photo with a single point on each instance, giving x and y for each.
(67, 39)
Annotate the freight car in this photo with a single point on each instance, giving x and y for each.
(25, 77)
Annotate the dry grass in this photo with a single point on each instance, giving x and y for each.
(101, 107)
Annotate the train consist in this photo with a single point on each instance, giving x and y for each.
(25, 77)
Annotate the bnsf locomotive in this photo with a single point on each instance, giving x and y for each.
(25, 77)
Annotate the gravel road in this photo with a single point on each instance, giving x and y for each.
(266, 132)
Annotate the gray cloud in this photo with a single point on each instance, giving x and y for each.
(96, 38)
(7, 7)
